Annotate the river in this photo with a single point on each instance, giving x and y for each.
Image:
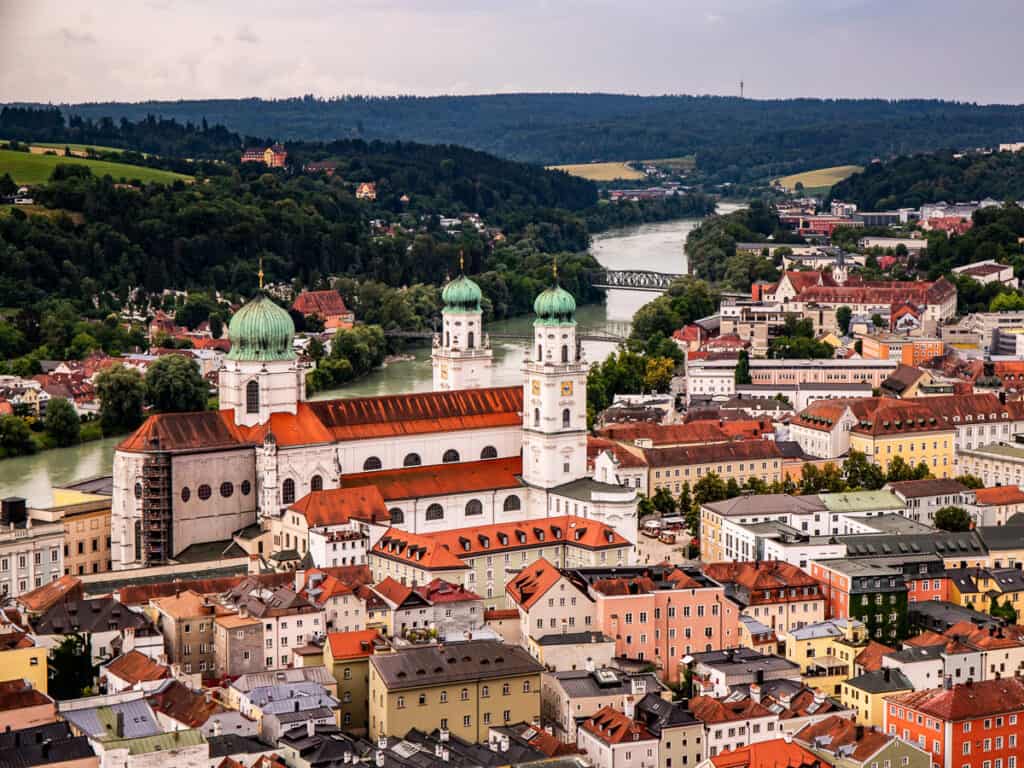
(657, 247)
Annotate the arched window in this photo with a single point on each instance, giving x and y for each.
(566, 417)
(316, 483)
(447, 339)
(138, 540)
(252, 397)
(371, 463)
(288, 491)
(204, 492)
(536, 417)
(227, 490)
(474, 507)
(512, 503)
(489, 452)
(540, 353)
(450, 456)
(470, 339)
(397, 516)
(412, 460)
(565, 353)
(138, 490)
(435, 512)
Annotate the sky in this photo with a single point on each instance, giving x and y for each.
(64, 51)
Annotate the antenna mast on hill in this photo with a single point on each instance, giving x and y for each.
(741, 89)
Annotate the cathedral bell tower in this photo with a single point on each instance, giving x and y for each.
(462, 355)
(554, 394)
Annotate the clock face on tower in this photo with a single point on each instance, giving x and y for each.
(444, 370)
(566, 389)
(535, 387)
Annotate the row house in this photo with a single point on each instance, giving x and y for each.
(671, 468)
(778, 594)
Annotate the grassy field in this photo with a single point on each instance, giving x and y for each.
(39, 210)
(601, 171)
(26, 168)
(684, 163)
(41, 148)
(822, 178)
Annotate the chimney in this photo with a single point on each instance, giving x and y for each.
(446, 755)
(443, 735)
(494, 745)
(755, 693)
(438, 750)
(382, 742)
(788, 736)
(590, 664)
(310, 729)
(947, 682)
(629, 707)
(886, 674)
(860, 732)
(380, 760)
(504, 743)
(119, 724)
(216, 728)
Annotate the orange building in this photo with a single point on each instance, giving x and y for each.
(328, 306)
(273, 156)
(973, 725)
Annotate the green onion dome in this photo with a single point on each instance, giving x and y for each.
(555, 306)
(462, 294)
(261, 331)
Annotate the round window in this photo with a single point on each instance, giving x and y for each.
(204, 492)
(226, 490)
(138, 490)
(186, 494)
(246, 487)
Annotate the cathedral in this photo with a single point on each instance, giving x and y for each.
(466, 454)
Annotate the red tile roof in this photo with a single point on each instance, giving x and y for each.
(440, 591)
(870, 659)
(499, 614)
(41, 599)
(327, 587)
(712, 710)
(352, 645)
(694, 432)
(441, 479)
(338, 506)
(445, 549)
(613, 727)
(135, 667)
(19, 694)
(777, 753)
(178, 702)
(323, 304)
(772, 576)
(643, 583)
(706, 454)
(532, 582)
(393, 591)
(327, 421)
(1003, 494)
(966, 701)
(622, 455)
(843, 732)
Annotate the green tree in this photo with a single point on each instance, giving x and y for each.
(898, 469)
(645, 507)
(70, 671)
(216, 324)
(174, 385)
(7, 185)
(861, 473)
(710, 488)
(197, 309)
(742, 373)
(971, 481)
(315, 349)
(952, 518)
(664, 502)
(62, 422)
(12, 340)
(843, 317)
(658, 373)
(15, 437)
(122, 392)
(877, 320)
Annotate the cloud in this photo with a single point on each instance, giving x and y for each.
(246, 35)
(77, 38)
(713, 18)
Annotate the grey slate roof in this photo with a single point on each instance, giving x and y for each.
(88, 615)
(584, 489)
(253, 680)
(767, 504)
(942, 543)
(658, 714)
(1002, 536)
(234, 744)
(579, 683)
(882, 681)
(436, 665)
(574, 638)
(98, 722)
(42, 745)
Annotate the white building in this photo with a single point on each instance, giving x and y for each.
(31, 548)
(613, 739)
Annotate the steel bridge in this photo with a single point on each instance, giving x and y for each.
(633, 279)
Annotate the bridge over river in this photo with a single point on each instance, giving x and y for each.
(608, 338)
(633, 279)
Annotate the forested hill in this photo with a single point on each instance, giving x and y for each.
(911, 181)
(734, 139)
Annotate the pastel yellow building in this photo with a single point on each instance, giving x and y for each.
(975, 588)
(866, 694)
(346, 656)
(22, 659)
(463, 688)
(905, 429)
(827, 652)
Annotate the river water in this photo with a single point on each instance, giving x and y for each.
(656, 247)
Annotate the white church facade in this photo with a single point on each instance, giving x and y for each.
(466, 454)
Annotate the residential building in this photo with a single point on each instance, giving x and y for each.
(238, 646)
(661, 614)
(567, 651)
(186, 620)
(567, 697)
(778, 594)
(757, 636)
(679, 733)
(923, 498)
(338, 523)
(988, 271)
(842, 743)
(86, 536)
(108, 628)
(289, 621)
(53, 745)
(970, 724)
(716, 377)
(31, 547)
(24, 706)
(940, 615)
(765, 754)
(40, 600)
(874, 594)
(826, 652)
(273, 156)
(741, 461)
(240, 689)
(994, 507)
(482, 558)
(866, 694)
(718, 673)
(801, 513)
(327, 306)
(337, 596)
(465, 688)
(732, 725)
(318, 746)
(996, 464)
(613, 739)
(133, 671)
(550, 601)
(23, 658)
(346, 655)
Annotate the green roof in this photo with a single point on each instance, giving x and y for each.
(162, 742)
(261, 331)
(860, 501)
(555, 306)
(461, 295)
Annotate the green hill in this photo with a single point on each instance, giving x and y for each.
(26, 168)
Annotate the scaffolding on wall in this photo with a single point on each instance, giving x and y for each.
(157, 512)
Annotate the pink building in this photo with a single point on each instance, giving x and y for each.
(659, 614)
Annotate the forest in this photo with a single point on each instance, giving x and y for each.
(907, 182)
(733, 139)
